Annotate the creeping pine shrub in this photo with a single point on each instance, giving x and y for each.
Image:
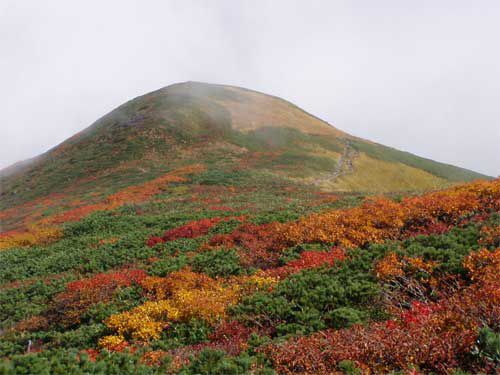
(226, 226)
(489, 344)
(194, 331)
(62, 362)
(221, 177)
(313, 300)
(349, 368)
(448, 249)
(217, 263)
(216, 362)
(163, 267)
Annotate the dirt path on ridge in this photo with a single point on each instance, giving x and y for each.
(344, 166)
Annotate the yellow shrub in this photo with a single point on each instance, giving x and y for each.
(34, 235)
(111, 342)
(184, 295)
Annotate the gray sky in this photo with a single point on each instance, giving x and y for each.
(421, 76)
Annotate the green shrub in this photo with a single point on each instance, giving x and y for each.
(349, 368)
(165, 266)
(178, 334)
(64, 362)
(345, 317)
(215, 362)
(313, 300)
(489, 344)
(217, 263)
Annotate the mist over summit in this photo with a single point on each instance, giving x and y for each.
(238, 133)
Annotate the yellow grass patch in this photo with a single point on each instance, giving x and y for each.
(372, 175)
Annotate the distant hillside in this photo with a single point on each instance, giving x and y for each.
(241, 136)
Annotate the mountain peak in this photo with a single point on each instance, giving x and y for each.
(249, 109)
(241, 135)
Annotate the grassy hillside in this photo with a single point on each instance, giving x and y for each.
(446, 171)
(237, 134)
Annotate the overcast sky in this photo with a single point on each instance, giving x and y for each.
(421, 76)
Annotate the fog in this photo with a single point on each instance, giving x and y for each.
(419, 76)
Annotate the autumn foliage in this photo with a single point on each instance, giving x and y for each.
(307, 260)
(381, 219)
(132, 194)
(404, 286)
(33, 235)
(82, 294)
(181, 296)
(431, 336)
(192, 229)
(45, 231)
(258, 244)
(490, 236)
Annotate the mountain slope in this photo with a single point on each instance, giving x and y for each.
(241, 136)
(206, 229)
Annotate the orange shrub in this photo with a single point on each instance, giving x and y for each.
(477, 262)
(490, 236)
(131, 194)
(392, 266)
(380, 219)
(80, 295)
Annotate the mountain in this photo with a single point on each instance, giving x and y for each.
(206, 229)
(241, 137)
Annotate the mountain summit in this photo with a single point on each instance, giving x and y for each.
(239, 135)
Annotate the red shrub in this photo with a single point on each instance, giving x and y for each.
(308, 259)
(192, 229)
(152, 241)
(82, 294)
(436, 337)
(106, 281)
(430, 228)
(257, 244)
(231, 337)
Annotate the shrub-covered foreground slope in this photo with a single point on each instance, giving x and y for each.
(239, 135)
(182, 275)
(208, 229)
